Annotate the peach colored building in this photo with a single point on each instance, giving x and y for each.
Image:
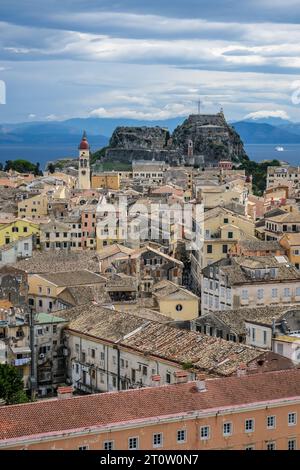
(258, 412)
(89, 225)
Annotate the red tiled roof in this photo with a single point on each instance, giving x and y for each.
(104, 409)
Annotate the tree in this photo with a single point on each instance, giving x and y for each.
(8, 165)
(37, 170)
(11, 385)
(1, 166)
(51, 168)
(21, 166)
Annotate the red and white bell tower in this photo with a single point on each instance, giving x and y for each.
(84, 170)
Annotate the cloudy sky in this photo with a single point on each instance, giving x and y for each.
(149, 58)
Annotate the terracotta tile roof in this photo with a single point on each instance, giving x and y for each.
(75, 278)
(167, 288)
(255, 244)
(59, 262)
(212, 355)
(84, 412)
(236, 269)
(113, 250)
(287, 217)
(235, 319)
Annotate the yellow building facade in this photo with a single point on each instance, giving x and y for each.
(35, 207)
(108, 180)
(19, 228)
(291, 243)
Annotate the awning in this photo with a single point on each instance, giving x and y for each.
(24, 350)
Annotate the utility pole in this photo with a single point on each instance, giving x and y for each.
(33, 369)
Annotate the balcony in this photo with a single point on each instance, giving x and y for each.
(21, 362)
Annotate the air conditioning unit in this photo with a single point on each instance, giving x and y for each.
(41, 356)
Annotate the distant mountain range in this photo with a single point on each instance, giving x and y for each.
(69, 132)
(99, 130)
(263, 133)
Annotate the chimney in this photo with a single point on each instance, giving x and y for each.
(129, 265)
(273, 326)
(242, 370)
(64, 392)
(200, 383)
(181, 377)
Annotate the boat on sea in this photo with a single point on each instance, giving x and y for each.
(279, 148)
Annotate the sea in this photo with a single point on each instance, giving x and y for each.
(43, 154)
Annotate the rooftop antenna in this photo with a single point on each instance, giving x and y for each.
(199, 106)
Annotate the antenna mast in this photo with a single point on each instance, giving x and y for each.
(199, 107)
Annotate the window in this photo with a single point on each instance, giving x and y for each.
(224, 249)
(227, 429)
(292, 419)
(292, 444)
(77, 368)
(253, 334)
(157, 439)
(40, 303)
(133, 443)
(179, 307)
(271, 446)
(230, 234)
(93, 353)
(83, 448)
(260, 294)
(265, 336)
(274, 293)
(108, 445)
(145, 370)
(168, 378)
(40, 290)
(225, 221)
(204, 433)
(271, 422)
(114, 381)
(249, 425)
(54, 329)
(244, 294)
(209, 249)
(84, 377)
(286, 292)
(181, 435)
(102, 356)
(122, 363)
(279, 348)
